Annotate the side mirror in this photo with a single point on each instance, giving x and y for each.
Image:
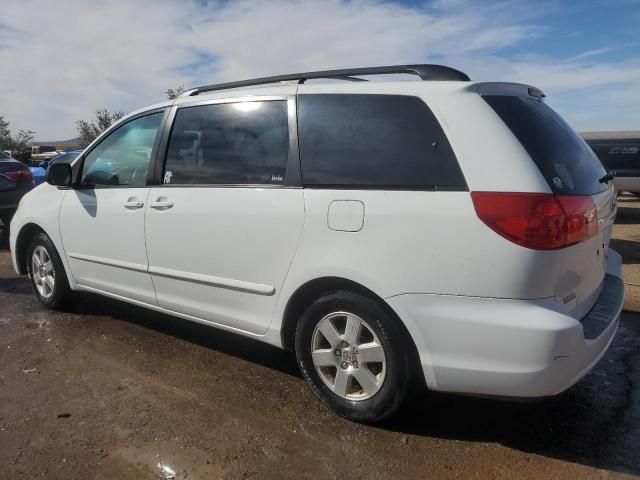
(59, 174)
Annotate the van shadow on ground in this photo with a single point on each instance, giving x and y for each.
(596, 423)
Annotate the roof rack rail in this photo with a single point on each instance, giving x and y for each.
(424, 71)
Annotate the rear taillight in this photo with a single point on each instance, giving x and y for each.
(540, 221)
(20, 176)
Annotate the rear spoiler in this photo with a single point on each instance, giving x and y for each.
(506, 88)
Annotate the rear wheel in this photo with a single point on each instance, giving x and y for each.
(46, 272)
(355, 356)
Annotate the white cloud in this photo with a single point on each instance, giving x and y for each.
(589, 53)
(59, 61)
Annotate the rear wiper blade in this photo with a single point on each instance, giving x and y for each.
(608, 177)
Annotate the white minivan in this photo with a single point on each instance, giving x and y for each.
(391, 233)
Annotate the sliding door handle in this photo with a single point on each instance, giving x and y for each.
(133, 203)
(162, 203)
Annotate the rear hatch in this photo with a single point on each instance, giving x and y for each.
(575, 176)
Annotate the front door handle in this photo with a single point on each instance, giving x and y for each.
(161, 203)
(132, 203)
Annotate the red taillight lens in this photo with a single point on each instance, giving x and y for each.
(19, 176)
(540, 221)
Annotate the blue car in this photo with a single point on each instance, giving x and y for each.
(40, 172)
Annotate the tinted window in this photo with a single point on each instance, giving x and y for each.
(123, 157)
(564, 159)
(231, 143)
(376, 141)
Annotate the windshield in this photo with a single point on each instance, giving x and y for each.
(564, 159)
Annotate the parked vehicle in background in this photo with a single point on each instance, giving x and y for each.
(43, 152)
(40, 171)
(15, 180)
(619, 152)
(66, 157)
(390, 233)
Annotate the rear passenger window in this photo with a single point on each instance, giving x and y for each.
(230, 143)
(383, 141)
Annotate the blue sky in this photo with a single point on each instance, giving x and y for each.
(123, 55)
(572, 28)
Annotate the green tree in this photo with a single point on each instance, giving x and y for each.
(21, 140)
(175, 92)
(89, 130)
(5, 134)
(17, 142)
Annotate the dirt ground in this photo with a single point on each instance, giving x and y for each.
(108, 390)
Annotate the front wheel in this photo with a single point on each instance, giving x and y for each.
(354, 356)
(46, 272)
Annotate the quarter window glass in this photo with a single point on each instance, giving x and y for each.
(123, 157)
(232, 143)
(378, 141)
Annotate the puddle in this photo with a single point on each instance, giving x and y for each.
(38, 320)
(167, 460)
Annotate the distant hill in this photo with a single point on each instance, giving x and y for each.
(73, 143)
(619, 135)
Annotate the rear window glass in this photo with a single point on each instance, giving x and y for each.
(564, 159)
(374, 141)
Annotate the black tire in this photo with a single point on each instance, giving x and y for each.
(400, 361)
(56, 297)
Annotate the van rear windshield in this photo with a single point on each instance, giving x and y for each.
(564, 159)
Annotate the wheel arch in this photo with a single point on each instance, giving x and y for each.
(26, 234)
(314, 289)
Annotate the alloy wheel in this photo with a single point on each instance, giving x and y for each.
(348, 356)
(43, 271)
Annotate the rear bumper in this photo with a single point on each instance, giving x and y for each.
(512, 348)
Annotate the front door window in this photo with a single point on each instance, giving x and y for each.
(122, 159)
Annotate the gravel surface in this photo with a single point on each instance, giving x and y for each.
(108, 390)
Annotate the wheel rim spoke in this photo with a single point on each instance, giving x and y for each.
(370, 353)
(366, 380)
(330, 333)
(342, 382)
(352, 330)
(324, 358)
(49, 283)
